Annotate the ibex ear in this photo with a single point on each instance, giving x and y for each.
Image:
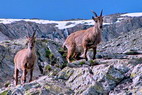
(93, 18)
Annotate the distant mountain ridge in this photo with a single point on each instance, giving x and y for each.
(114, 26)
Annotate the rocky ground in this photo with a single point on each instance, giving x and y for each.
(108, 77)
(113, 73)
(116, 71)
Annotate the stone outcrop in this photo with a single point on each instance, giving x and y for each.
(108, 77)
(42, 86)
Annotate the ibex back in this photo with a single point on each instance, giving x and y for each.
(81, 41)
(24, 60)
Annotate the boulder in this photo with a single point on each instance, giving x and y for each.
(42, 86)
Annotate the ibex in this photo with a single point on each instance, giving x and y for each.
(81, 41)
(25, 59)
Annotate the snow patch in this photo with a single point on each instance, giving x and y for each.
(132, 14)
(60, 24)
(64, 24)
(119, 20)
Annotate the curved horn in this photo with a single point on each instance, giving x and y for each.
(101, 12)
(34, 34)
(94, 13)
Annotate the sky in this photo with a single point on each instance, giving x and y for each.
(65, 9)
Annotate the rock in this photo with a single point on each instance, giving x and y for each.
(53, 49)
(123, 46)
(111, 78)
(108, 78)
(83, 62)
(65, 73)
(136, 75)
(5, 92)
(44, 86)
(101, 82)
(132, 52)
(131, 84)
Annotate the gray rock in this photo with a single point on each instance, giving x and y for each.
(43, 86)
(101, 82)
(130, 84)
(136, 75)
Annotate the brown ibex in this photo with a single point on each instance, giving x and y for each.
(24, 60)
(81, 41)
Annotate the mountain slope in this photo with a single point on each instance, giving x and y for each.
(116, 71)
(114, 26)
(126, 42)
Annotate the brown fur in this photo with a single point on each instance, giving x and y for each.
(81, 41)
(24, 60)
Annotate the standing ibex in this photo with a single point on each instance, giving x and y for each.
(83, 40)
(25, 59)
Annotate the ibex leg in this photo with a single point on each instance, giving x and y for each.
(85, 53)
(94, 52)
(31, 75)
(70, 54)
(23, 78)
(16, 71)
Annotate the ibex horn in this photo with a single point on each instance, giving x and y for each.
(94, 13)
(101, 13)
(34, 33)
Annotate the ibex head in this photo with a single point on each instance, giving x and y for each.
(98, 19)
(31, 41)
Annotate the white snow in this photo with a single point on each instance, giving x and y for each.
(119, 20)
(63, 24)
(8, 21)
(133, 14)
(60, 24)
(128, 14)
(67, 24)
